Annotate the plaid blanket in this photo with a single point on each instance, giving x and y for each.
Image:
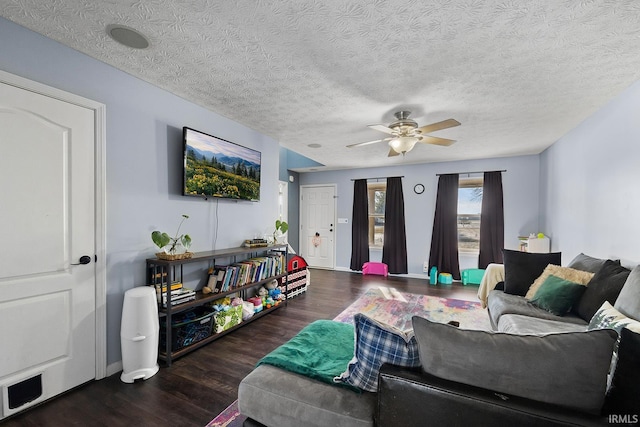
(376, 344)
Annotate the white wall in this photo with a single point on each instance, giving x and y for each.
(590, 184)
(143, 162)
(520, 187)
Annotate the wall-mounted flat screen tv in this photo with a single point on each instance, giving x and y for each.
(214, 167)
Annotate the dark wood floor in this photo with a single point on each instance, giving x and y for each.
(201, 384)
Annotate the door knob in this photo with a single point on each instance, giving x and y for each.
(84, 259)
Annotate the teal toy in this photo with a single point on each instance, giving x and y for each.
(445, 278)
(433, 276)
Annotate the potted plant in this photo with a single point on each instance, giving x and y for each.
(282, 227)
(176, 247)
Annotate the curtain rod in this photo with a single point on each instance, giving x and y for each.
(378, 177)
(467, 173)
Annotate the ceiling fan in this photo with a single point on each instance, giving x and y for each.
(405, 133)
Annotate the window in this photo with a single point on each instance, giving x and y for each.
(469, 208)
(377, 193)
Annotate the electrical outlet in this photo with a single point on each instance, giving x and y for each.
(425, 267)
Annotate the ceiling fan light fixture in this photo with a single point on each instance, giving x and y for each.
(403, 144)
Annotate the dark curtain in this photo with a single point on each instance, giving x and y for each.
(491, 221)
(444, 239)
(359, 225)
(394, 250)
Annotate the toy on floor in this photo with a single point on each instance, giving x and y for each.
(445, 278)
(378, 268)
(433, 276)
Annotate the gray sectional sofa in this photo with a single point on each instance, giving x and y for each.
(513, 313)
(460, 379)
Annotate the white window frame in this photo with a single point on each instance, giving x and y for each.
(372, 187)
(465, 225)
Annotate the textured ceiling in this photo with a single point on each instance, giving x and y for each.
(517, 74)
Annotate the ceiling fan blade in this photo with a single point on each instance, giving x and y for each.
(392, 152)
(436, 141)
(360, 144)
(382, 128)
(445, 124)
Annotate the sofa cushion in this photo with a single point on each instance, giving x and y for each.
(622, 396)
(628, 301)
(521, 269)
(500, 303)
(525, 325)
(570, 274)
(376, 344)
(565, 369)
(276, 397)
(557, 295)
(605, 285)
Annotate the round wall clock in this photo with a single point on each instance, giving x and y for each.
(418, 189)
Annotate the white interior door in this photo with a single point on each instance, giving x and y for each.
(47, 223)
(317, 225)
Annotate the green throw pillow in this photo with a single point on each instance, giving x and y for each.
(557, 295)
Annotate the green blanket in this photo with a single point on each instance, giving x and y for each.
(322, 351)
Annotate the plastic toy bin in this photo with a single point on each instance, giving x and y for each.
(472, 276)
(445, 278)
(188, 328)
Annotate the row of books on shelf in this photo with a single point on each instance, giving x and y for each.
(224, 278)
(179, 294)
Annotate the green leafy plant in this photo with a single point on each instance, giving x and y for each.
(162, 239)
(281, 226)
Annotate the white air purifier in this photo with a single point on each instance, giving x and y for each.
(139, 334)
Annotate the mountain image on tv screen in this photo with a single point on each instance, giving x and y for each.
(214, 167)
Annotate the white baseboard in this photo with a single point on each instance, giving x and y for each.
(114, 368)
(423, 276)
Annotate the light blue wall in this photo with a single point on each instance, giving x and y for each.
(520, 186)
(590, 184)
(585, 186)
(143, 162)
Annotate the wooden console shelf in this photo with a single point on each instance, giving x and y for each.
(164, 272)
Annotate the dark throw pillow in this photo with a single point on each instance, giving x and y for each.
(567, 369)
(557, 295)
(521, 269)
(622, 397)
(605, 285)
